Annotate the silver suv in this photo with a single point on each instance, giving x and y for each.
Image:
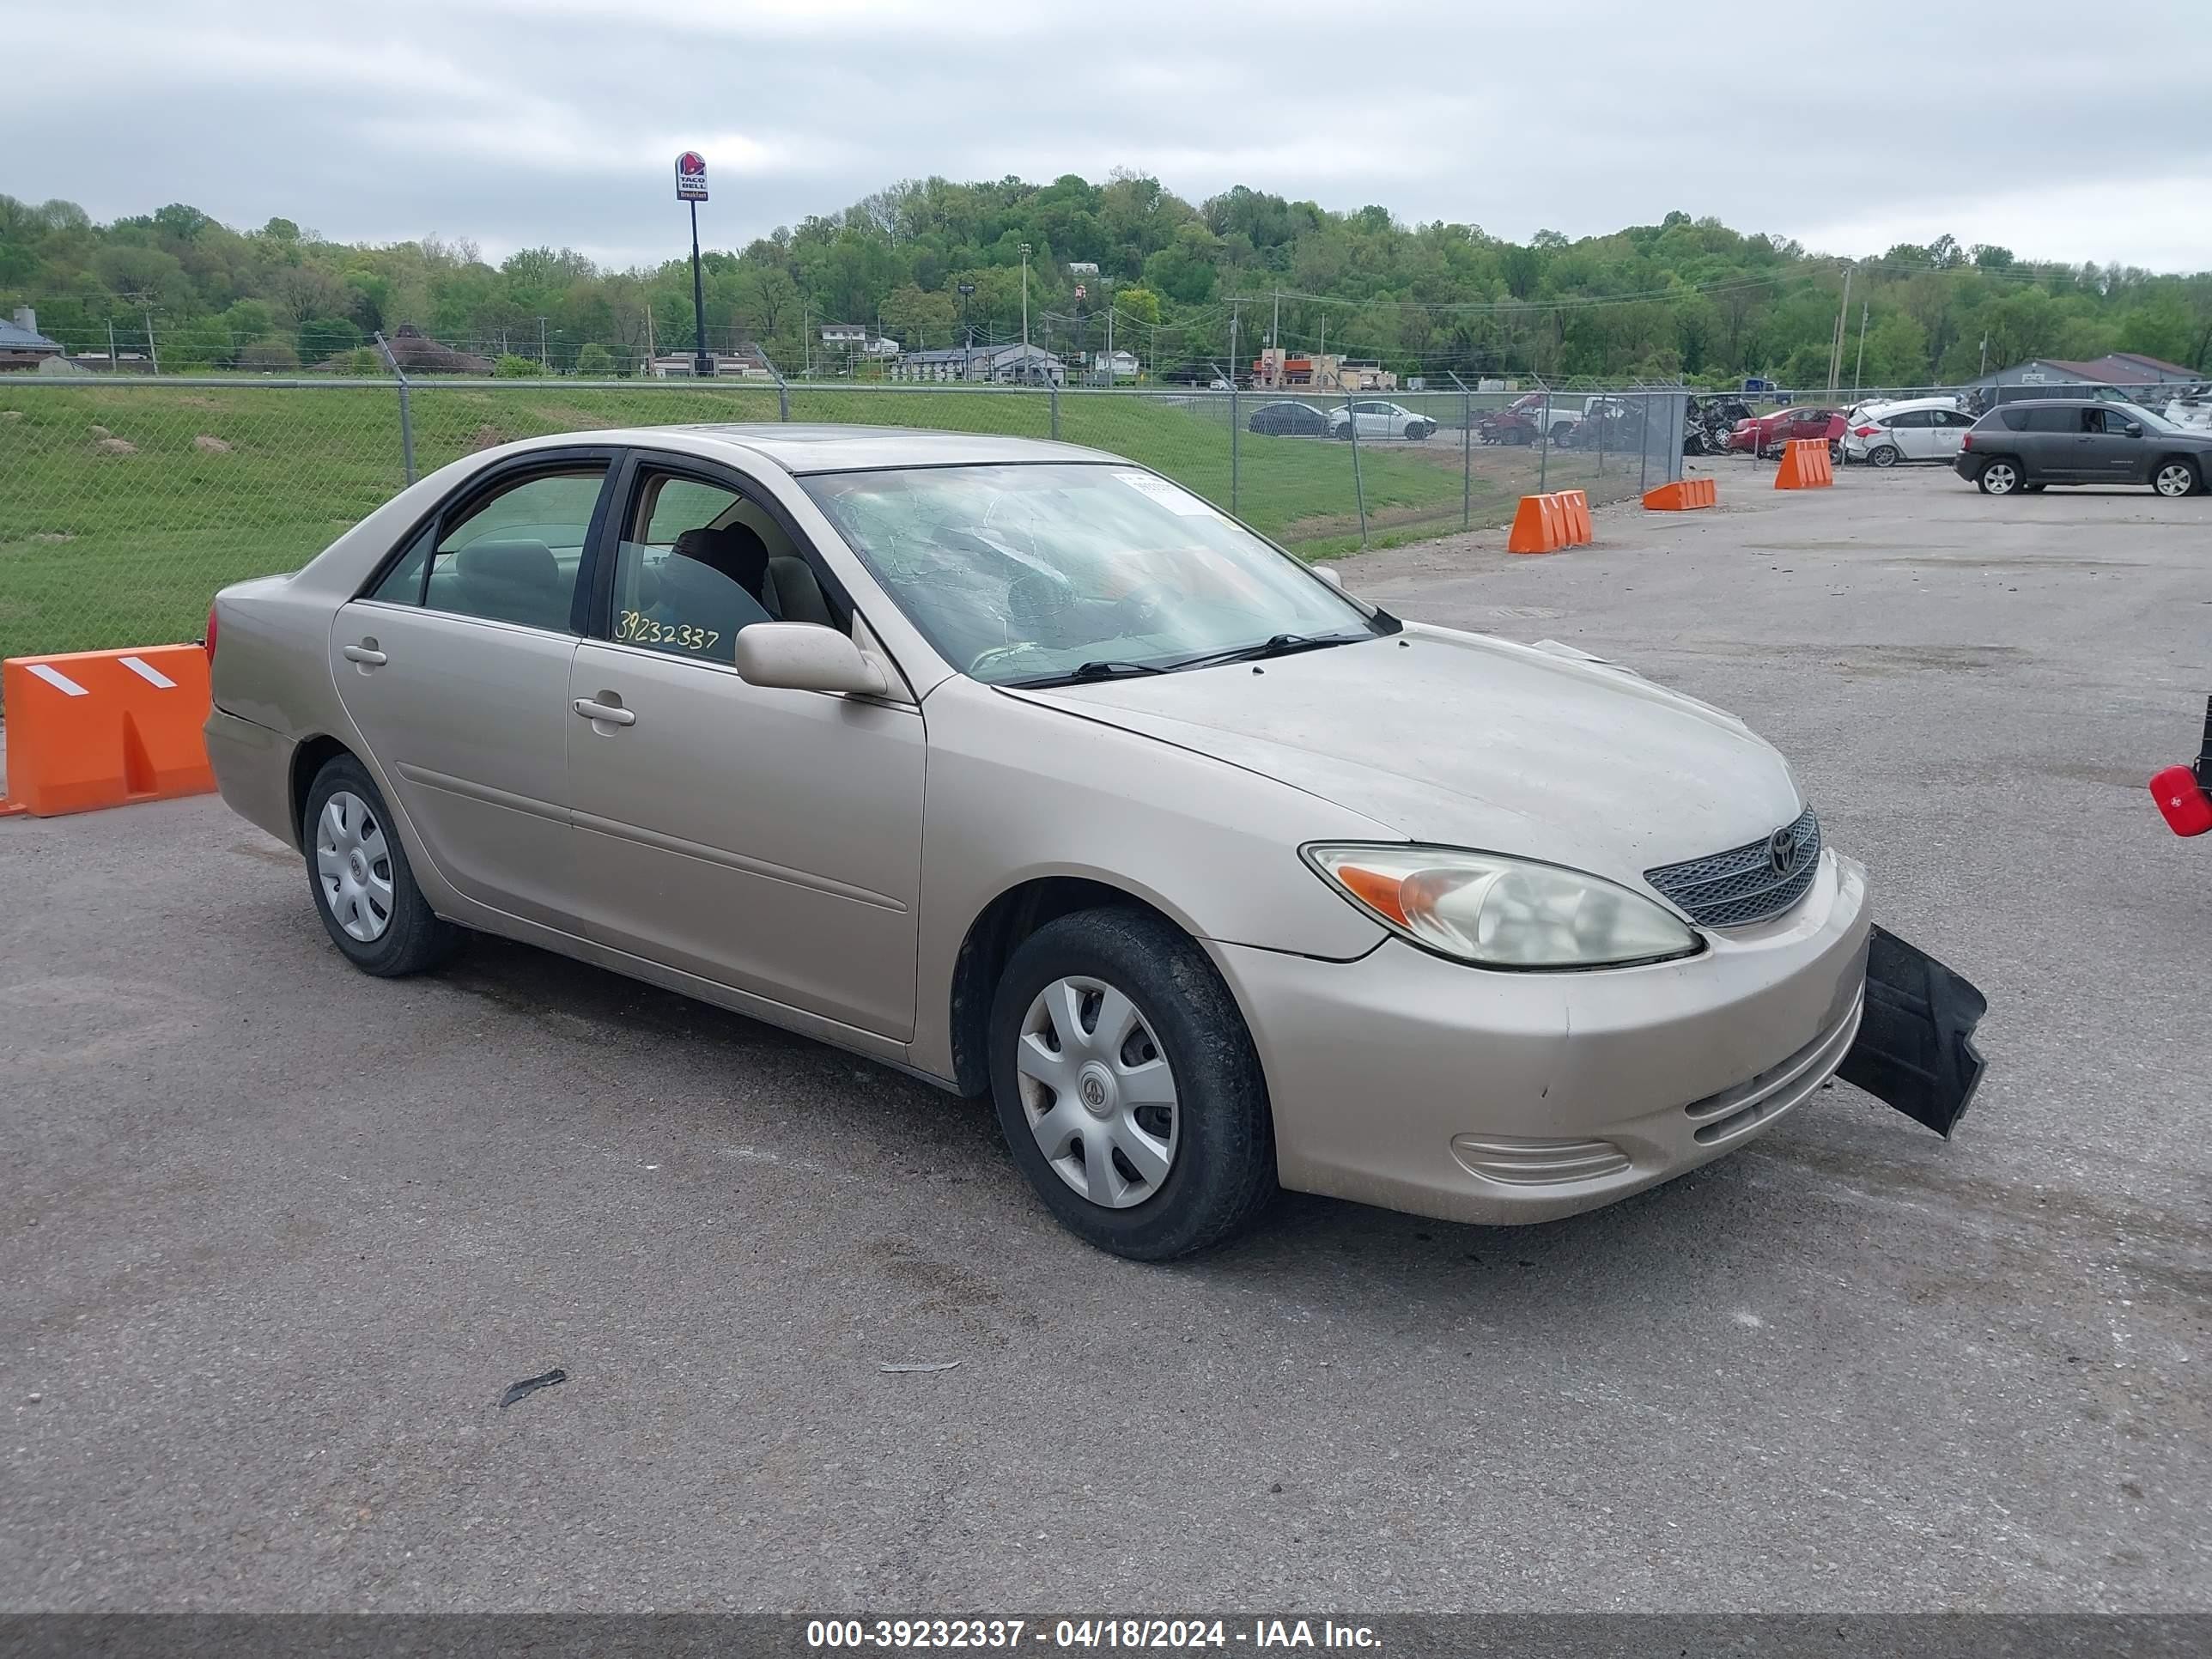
(2081, 440)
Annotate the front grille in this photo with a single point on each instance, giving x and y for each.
(1738, 887)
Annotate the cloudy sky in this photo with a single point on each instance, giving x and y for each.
(515, 122)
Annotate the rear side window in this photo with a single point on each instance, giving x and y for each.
(1913, 418)
(513, 556)
(2062, 419)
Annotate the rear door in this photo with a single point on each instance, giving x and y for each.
(454, 665)
(1910, 431)
(2052, 443)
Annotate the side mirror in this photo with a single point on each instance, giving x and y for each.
(787, 656)
(2134, 429)
(1329, 576)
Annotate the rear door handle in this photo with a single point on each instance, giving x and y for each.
(603, 711)
(363, 654)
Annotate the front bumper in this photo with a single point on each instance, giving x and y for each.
(1421, 1084)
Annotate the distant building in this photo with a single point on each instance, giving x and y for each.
(1122, 366)
(21, 345)
(2113, 369)
(748, 361)
(1277, 370)
(1015, 364)
(416, 353)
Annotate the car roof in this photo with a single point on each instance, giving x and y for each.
(800, 448)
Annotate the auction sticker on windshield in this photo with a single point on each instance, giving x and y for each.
(1174, 497)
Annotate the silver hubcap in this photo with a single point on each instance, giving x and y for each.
(2002, 478)
(2175, 480)
(1097, 1091)
(354, 864)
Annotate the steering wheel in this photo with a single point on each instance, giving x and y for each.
(1147, 602)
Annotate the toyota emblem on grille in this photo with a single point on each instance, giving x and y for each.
(1782, 851)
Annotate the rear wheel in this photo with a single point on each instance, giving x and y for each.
(364, 891)
(1128, 1088)
(2001, 476)
(2175, 477)
(1884, 455)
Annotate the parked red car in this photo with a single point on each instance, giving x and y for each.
(1764, 434)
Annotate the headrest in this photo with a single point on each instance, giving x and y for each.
(522, 563)
(733, 550)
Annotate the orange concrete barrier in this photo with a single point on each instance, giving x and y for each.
(1535, 527)
(105, 728)
(1805, 466)
(1683, 495)
(1545, 524)
(1575, 504)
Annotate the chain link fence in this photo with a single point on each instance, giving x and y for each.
(124, 504)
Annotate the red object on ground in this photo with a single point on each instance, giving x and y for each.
(2182, 801)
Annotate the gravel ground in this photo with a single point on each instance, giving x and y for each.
(279, 1236)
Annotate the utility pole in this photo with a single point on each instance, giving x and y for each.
(1275, 340)
(1836, 351)
(541, 363)
(153, 356)
(1858, 370)
(1025, 305)
(1232, 345)
(1110, 342)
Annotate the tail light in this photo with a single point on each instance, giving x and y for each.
(208, 642)
(1864, 431)
(1966, 441)
(2182, 800)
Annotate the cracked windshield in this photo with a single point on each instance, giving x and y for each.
(1030, 574)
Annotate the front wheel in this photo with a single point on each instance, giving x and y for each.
(2174, 479)
(2000, 476)
(1128, 1088)
(364, 891)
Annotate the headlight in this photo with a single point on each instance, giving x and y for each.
(1501, 912)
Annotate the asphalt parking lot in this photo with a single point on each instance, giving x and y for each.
(278, 1236)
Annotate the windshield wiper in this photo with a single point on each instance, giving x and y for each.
(1084, 673)
(1276, 645)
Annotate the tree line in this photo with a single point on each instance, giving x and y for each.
(1206, 284)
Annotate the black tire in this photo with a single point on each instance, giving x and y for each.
(2001, 474)
(414, 937)
(1836, 453)
(2193, 469)
(1223, 1172)
(1883, 455)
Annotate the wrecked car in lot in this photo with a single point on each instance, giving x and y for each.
(1023, 769)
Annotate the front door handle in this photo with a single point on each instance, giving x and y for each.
(366, 654)
(603, 711)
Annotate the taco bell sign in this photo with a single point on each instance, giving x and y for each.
(691, 176)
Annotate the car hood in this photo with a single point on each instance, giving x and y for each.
(1460, 738)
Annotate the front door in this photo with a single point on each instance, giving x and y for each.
(2114, 456)
(454, 667)
(767, 840)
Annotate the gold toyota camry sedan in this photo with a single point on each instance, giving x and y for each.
(1019, 767)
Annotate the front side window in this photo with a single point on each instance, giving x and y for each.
(1022, 572)
(698, 562)
(511, 556)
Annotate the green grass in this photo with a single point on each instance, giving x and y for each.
(101, 549)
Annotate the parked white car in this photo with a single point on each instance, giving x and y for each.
(1379, 419)
(1915, 430)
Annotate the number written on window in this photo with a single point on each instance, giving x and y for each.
(635, 628)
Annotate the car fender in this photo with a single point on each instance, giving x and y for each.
(1018, 790)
